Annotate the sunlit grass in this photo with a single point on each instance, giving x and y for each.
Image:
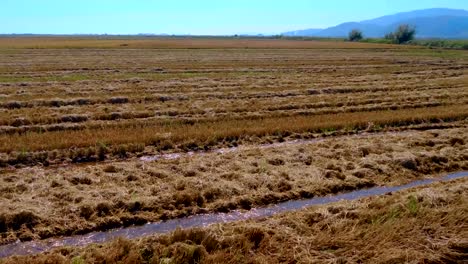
(203, 133)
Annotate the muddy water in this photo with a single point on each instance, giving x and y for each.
(33, 247)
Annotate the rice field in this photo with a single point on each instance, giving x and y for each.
(141, 99)
(251, 122)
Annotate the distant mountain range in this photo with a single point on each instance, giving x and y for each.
(429, 23)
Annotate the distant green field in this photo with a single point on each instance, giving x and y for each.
(443, 43)
(431, 43)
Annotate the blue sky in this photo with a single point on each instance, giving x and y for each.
(204, 17)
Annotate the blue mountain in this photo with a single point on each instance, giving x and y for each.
(429, 23)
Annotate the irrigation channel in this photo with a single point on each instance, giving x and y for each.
(204, 220)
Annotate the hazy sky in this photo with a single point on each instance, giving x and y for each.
(195, 16)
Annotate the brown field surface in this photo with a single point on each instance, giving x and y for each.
(426, 225)
(130, 42)
(75, 199)
(60, 104)
(293, 119)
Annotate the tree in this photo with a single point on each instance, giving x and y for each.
(403, 34)
(355, 35)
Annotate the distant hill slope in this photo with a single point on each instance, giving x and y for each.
(429, 23)
(305, 32)
(433, 12)
(342, 30)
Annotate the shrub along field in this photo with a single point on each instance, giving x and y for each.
(78, 114)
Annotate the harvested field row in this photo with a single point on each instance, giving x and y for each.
(327, 233)
(21, 123)
(78, 199)
(205, 134)
(351, 71)
(349, 74)
(181, 64)
(203, 86)
(215, 97)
